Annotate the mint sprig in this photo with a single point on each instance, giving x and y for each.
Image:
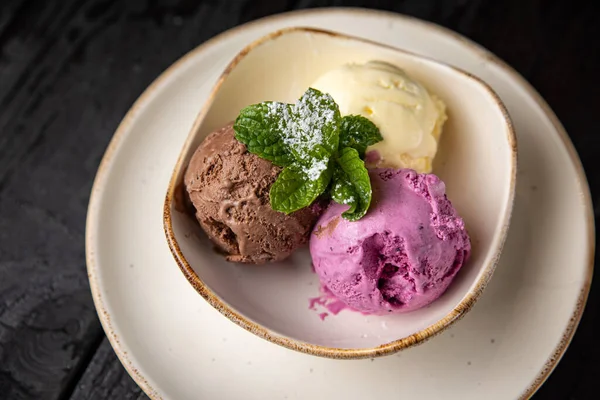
(316, 147)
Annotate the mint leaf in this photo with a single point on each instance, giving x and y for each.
(359, 133)
(314, 127)
(342, 191)
(293, 189)
(261, 128)
(305, 138)
(351, 184)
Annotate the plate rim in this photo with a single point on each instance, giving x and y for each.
(122, 129)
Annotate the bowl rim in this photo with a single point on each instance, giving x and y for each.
(261, 331)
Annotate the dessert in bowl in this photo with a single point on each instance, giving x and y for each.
(311, 136)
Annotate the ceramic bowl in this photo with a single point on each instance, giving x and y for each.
(476, 159)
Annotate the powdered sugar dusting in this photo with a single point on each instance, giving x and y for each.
(309, 109)
(316, 168)
(302, 125)
(346, 200)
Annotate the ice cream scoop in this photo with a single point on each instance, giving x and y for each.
(229, 188)
(409, 117)
(401, 255)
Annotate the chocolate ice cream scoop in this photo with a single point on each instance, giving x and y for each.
(229, 188)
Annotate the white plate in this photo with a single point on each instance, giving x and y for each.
(176, 346)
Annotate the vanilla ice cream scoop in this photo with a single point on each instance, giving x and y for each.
(409, 118)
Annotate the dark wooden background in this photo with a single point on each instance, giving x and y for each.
(70, 69)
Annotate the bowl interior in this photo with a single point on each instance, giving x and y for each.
(476, 159)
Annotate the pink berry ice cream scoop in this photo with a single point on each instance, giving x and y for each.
(402, 255)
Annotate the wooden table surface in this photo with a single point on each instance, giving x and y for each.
(69, 71)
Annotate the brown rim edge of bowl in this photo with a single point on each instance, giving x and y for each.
(323, 351)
